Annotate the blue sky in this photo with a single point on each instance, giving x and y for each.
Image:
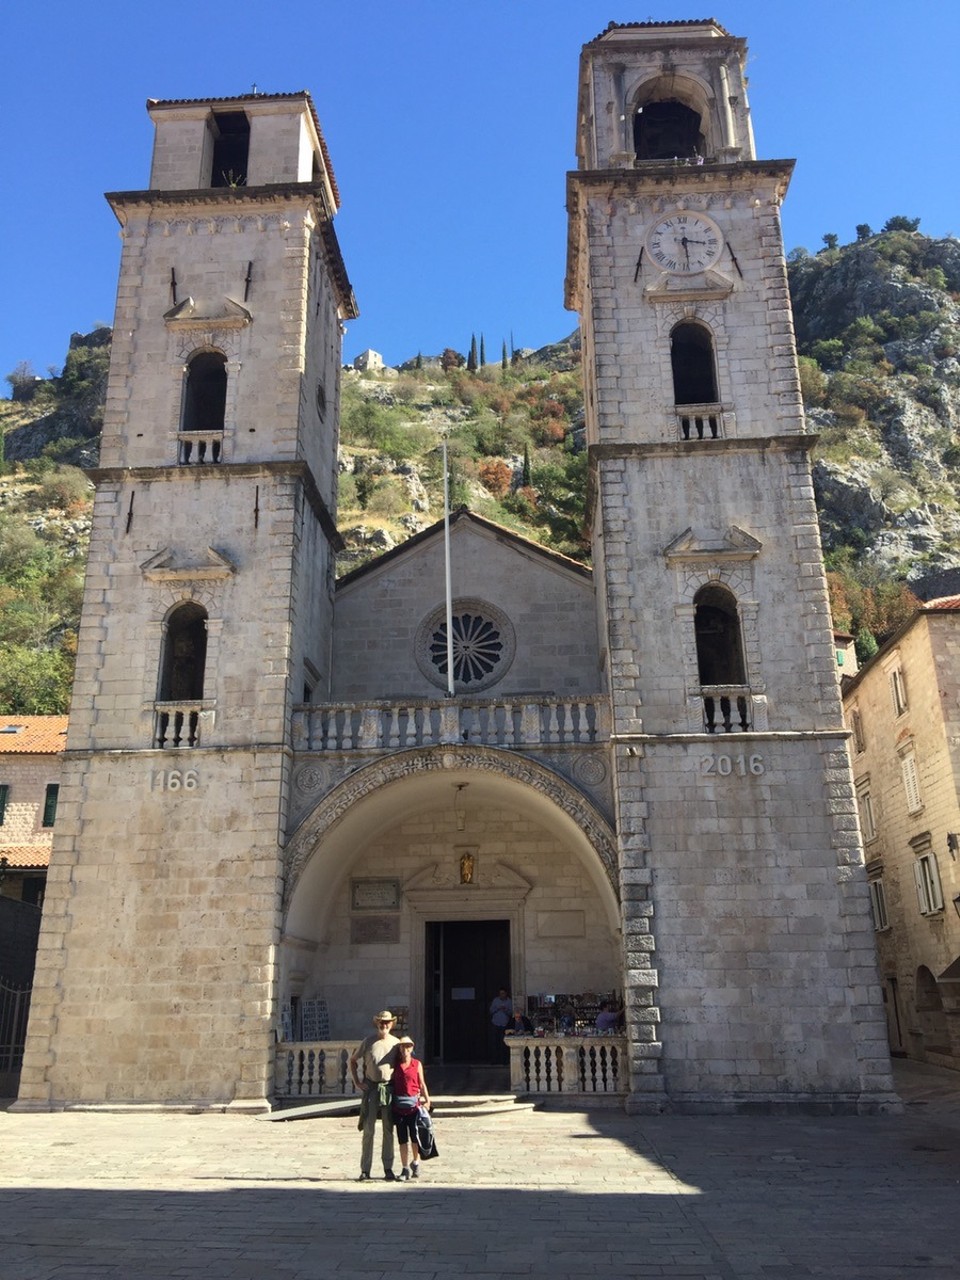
(451, 127)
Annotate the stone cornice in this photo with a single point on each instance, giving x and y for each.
(172, 475)
(689, 449)
(241, 201)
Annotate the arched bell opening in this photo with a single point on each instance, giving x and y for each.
(431, 887)
(668, 130)
(694, 365)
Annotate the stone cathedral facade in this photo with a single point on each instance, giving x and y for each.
(640, 785)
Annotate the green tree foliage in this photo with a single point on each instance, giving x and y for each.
(831, 241)
(864, 231)
(900, 223)
(472, 357)
(483, 352)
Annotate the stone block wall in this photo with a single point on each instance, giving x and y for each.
(154, 979)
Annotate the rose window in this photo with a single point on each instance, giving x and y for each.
(483, 646)
(476, 648)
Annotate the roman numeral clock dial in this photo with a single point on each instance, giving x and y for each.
(686, 243)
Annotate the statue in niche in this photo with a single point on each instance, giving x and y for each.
(466, 868)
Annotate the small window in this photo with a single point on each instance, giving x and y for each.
(856, 724)
(911, 782)
(929, 891)
(898, 691)
(865, 806)
(878, 903)
(50, 804)
(4, 797)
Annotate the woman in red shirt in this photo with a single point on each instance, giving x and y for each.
(409, 1092)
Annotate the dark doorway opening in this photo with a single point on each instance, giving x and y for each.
(467, 962)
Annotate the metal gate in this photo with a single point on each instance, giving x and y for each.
(14, 1008)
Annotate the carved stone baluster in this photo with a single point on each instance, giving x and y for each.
(529, 724)
(570, 1078)
(450, 722)
(369, 727)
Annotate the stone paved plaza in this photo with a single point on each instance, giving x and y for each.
(560, 1194)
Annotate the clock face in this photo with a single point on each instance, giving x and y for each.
(685, 242)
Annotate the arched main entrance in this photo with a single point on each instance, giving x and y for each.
(428, 879)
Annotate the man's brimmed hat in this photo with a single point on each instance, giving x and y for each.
(384, 1016)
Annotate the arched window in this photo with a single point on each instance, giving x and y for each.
(694, 368)
(720, 665)
(667, 130)
(184, 655)
(204, 407)
(181, 677)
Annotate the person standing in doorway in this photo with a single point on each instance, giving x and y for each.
(378, 1056)
(409, 1094)
(501, 1011)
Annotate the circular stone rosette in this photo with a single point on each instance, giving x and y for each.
(484, 645)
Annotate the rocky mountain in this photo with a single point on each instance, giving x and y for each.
(878, 330)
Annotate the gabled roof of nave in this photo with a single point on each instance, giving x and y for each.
(464, 515)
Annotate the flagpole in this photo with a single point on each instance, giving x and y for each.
(449, 580)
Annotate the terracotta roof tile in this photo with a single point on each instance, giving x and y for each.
(22, 856)
(32, 735)
(943, 602)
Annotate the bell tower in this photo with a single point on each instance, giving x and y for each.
(748, 954)
(206, 616)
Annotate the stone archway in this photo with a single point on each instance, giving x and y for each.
(541, 781)
(540, 856)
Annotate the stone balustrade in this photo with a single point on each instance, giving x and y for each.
(197, 447)
(176, 724)
(314, 1070)
(587, 1066)
(699, 421)
(495, 722)
(726, 708)
(570, 1065)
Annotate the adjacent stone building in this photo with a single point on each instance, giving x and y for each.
(637, 784)
(30, 748)
(903, 711)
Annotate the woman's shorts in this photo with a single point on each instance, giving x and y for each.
(405, 1122)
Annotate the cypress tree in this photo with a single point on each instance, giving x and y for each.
(483, 352)
(503, 358)
(472, 357)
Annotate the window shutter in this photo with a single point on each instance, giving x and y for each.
(921, 888)
(50, 804)
(911, 783)
(934, 890)
(4, 795)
